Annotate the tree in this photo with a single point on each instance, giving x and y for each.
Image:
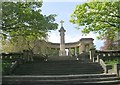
(98, 17)
(24, 19)
(107, 44)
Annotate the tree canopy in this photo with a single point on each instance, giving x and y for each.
(25, 20)
(98, 17)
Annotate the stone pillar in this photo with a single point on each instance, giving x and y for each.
(62, 41)
(75, 51)
(69, 52)
(117, 69)
(82, 48)
(92, 54)
(98, 58)
(79, 49)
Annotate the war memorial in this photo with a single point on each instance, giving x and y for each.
(83, 45)
(83, 66)
(27, 57)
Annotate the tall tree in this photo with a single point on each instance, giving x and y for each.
(98, 17)
(25, 19)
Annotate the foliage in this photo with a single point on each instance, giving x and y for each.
(112, 62)
(6, 66)
(98, 17)
(24, 19)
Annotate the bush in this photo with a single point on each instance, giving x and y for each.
(6, 64)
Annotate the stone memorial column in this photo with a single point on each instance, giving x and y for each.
(62, 40)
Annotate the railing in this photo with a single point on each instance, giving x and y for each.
(11, 56)
(108, 54)
(15, 59)
(99, 56)
(13, 67)
(104, 66)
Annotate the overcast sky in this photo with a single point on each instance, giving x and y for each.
(63, 11)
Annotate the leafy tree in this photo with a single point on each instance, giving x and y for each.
(107, 44)
(24, 19)
(98, 17)
(110, 44)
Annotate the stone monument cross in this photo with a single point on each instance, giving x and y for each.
(61, 22)
(62, 40)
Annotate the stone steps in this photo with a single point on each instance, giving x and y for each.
(60, 73)
(59, 68)
(82, 79)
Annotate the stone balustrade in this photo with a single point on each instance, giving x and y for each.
(11, 56)
(99, 56)
(108, 53)
(105, 67)
(13, 67)
(16, 59)
(95, 54)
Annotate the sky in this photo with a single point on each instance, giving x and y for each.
(63, 11)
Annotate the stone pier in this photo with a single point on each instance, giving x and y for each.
(62, 40)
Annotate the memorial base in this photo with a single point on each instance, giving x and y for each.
(62, 53)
